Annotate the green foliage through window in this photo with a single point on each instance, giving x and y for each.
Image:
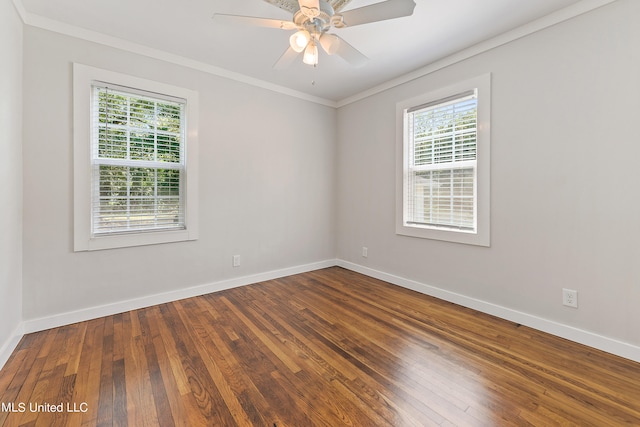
(138, 161)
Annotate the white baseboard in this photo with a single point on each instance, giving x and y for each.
(619, 348)
(43, 323)
(9, 346)
(590, 339)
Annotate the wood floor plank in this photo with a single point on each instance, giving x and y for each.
(338, 369)
(325, 348)
(220, 343)
(407, 396)
(203, 388)
(182, 405)
(105, 393)
(300, 381)
(141, 409)
(200, 340)
(28, 391)
(372, 351)
(158, 389)
(253, 356)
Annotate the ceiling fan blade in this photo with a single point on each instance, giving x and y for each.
(382, 11)
(286, 59)
(335, 45)
(290, 6)
(330, 43)
(255, 21)
(338, 5)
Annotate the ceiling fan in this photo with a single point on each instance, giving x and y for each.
(312, 20)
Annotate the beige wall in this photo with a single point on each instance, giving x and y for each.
(565, 210)
(10, 175)
(266, 184)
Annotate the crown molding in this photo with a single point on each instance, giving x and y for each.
(17, 4)
(42, 22)
(547, 21)
(557, 17)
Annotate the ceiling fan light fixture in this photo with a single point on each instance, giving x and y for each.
(299, 40)
(312, 19)
(311, 54)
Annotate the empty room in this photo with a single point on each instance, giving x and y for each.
(319, 213)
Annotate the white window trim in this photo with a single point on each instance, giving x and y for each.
(482, 235)
(83, 76)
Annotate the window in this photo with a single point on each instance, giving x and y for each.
(443, 177)
(137, 161)
(134, 144)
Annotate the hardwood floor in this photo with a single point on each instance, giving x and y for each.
(326, 348)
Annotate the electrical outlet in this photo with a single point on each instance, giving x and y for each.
(570, 298)
(236, 260)
(365, 252)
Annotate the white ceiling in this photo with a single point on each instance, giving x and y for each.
(437, 29)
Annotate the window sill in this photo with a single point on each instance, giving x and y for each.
(137, 239)
(464, 237)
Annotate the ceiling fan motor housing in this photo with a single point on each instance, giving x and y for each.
(318, 24)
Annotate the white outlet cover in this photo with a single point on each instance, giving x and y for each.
(570, 298)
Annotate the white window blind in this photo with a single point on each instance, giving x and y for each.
(440, 182)
(138, 161)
